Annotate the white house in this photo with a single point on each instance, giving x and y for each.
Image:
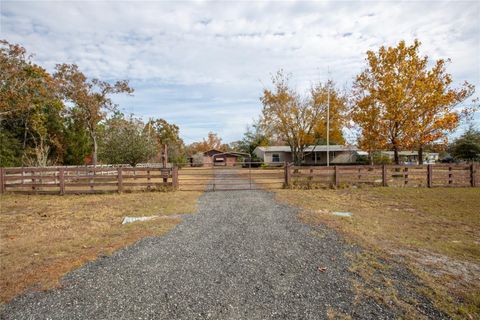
(314, 154)
(338, 155)
(411, 157)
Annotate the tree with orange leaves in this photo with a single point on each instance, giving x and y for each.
(338, 112)
(213, 141)
(436, 107)
(301, 121)
(30, 104)
(399, 103)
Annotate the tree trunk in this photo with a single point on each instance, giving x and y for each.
(396, 159)
(165, 155)
(301, 155)
(294, 154)
(95, 147)
(297, 157)
(25, 136)
(420, 155)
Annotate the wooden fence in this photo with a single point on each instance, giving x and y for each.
(79, 180)
(457, 175)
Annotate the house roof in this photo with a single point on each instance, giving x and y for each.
(213, 152)
(317, 148)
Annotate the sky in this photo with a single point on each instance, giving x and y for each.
(204, 65)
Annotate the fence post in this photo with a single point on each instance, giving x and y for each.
(429, 175)
(384, 175)
(405, 175)
(61, 176)
(165, 177)
(473, 172)
(33, 181)
(450, 181)
(175, 177)
(337, 178)
(2, 180)
(148, 180)
(120, 179)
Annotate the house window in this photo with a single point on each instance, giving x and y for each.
(275, 157)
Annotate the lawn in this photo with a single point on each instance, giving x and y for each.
(435, 231)
(43, 237)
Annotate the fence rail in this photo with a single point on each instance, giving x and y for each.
(384, 175)
(80, 180)
(232, 176)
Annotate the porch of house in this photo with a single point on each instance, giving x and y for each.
(336, 157)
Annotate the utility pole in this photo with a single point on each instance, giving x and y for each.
(328, 118)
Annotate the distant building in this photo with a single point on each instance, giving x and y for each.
(317, 155)
(314, 155)
(215, 158)
(411, 157)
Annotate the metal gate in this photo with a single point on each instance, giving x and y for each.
(232, 176)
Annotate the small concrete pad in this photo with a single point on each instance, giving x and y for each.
(342, 214)
(134, 219)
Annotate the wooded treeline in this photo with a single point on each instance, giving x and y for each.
(65, 118)
(399, 101)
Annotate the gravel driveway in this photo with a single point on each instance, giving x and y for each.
(242, 256)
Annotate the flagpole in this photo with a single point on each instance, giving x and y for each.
(328, 119)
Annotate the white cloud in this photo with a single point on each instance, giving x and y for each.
(204, 64)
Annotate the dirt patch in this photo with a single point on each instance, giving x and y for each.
(440, 265)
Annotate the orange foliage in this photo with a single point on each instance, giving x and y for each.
(298, 121)
(213, 141)
(399, 103)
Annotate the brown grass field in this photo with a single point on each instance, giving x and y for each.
(194, 178)
(435, 231)
(43, 237)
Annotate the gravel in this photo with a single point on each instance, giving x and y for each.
(242, 256)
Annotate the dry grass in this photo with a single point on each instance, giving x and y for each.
(435, 230)
(264, 178)
(202, 178)
(333, 314)
(43, 237)
(195, 178)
